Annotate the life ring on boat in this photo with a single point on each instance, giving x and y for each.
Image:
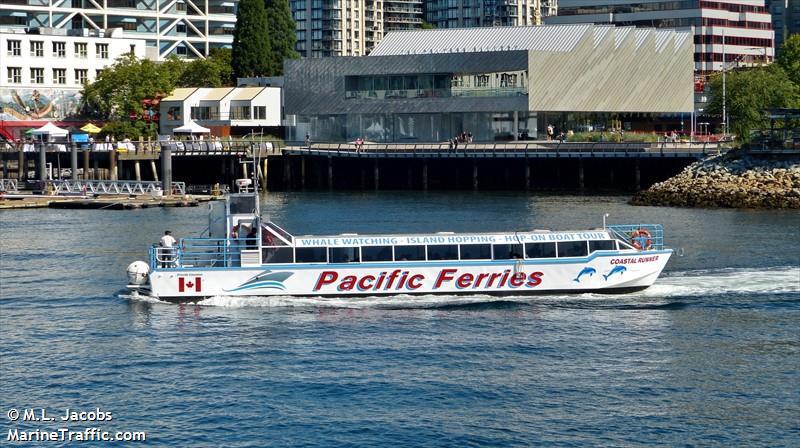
(641, 239)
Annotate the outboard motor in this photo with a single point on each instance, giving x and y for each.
(137, 273)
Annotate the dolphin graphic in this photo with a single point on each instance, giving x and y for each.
(586, 271)
(620, 269)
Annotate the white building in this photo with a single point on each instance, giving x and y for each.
(42, 71)
(189, 28)
(738, 31)
(225, 110)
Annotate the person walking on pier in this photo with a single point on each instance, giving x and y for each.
(167, 250)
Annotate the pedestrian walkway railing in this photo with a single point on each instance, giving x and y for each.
(179, 147)
(8, 185)
(113, 187)
(513, 147)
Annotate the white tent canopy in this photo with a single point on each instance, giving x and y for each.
(50, 130)
(191, 128)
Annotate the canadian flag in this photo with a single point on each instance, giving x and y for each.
(186, 283)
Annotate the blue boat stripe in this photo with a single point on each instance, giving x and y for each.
(424, 264)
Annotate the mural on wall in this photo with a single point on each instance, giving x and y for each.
(36, 104)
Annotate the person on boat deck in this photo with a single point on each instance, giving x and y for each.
(167, 244)
(252, 235)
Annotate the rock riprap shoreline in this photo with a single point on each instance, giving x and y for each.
(731, 180)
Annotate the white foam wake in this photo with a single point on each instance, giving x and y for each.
(674, 284)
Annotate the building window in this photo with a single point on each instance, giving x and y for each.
(37, 76)
(240, 112)
(180, 28)
(81, 75)
(60, 49)
(37, 48)
(174, 113)
(97, 73)
(101, 51)
(200, 113)
(180, 6)
(59, 76)
(14, 48)
(80, 50)
(129, 26)
(260, 112)
(14, 75)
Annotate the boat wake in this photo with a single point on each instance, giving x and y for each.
(674, 290)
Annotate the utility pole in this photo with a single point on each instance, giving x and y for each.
(724, 103)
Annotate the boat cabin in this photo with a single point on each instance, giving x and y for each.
(239, 238)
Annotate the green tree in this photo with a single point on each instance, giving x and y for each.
(122, 129)
(427, 26)
(749, 92)
(223, 58)
(282, 34)
(251, 41)
(789, 58)
(119, 89)
(213, 71)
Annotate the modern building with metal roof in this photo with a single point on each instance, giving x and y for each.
(494, 83)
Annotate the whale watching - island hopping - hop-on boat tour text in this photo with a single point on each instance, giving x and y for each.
(245, 256)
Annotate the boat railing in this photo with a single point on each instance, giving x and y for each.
(202, 252)
(638, 235)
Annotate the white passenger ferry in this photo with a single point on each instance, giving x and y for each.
(245, 256)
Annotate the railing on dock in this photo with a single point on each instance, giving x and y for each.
(513, 147)
(641, 236)
(114, 187)
(8, 185)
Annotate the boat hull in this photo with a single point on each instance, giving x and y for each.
(602, 272)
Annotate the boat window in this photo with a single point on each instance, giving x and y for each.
(242, 204)
(277, 255)
(507, 251)
(376, 253)
(343, 255)
(311, 255)
(443, 252)
(601, 245)
(572, 249)
(409, 253)
(540, 250)
(476, 251)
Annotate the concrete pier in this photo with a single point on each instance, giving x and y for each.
(112, 165)
(73, 161)
(22, 168)
(376, 175)
(330, 173)
(42, 162)
(166, 170)
(474, 175)
(527, 174)
(424, 174)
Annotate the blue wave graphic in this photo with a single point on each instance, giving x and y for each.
(265, 280)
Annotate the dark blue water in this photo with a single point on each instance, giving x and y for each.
(709, 356)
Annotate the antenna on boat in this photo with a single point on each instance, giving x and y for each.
(604, 220)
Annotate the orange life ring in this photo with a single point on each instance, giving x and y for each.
(641, 239)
